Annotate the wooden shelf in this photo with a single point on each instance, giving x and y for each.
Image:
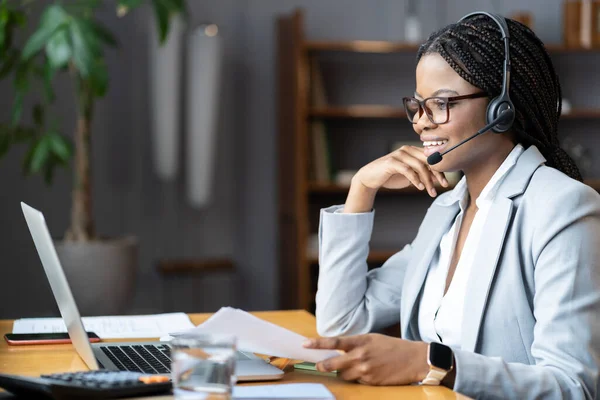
(359, 111)
(387, 112)
(332, 188)
(582, 113)
(593, 183)
(174, 267)
(361, 46)
(377, 256)
(384, 47)
(561, 48)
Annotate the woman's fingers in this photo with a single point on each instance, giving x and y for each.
(440, 177)
(419, 155)
(396, 166)
(424, 173)
(351, 374)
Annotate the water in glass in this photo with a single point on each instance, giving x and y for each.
(203, 369)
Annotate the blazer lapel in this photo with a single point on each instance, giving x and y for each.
(484, 267)
(440, 219)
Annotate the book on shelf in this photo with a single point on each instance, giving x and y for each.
(581, 24)
(320, 160)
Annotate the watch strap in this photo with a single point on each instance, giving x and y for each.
(434, 377)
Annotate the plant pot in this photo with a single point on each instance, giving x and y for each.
(101, 273)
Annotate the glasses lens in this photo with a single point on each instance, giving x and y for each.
(412, 110)
(437, 109)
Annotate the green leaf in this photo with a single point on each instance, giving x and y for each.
(40, 154)
(82, 52)
(21, 84)
(61, 148)
(103, 33)
(52, 19)
(17, 108)
(4, 24)
(90, 37)
(58, 48)
(48, 76)
(38, 115)
(161, 12)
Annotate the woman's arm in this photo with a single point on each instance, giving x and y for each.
(350, 300)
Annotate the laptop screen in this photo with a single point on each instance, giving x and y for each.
(58, 283)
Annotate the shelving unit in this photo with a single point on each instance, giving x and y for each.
(317, 188)
(382, 46)
(298, 194)
(375, 256)
(358, 111)
(384, 111)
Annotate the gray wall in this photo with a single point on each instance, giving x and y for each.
(241, 223)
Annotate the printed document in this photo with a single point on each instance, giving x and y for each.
(258, 336)
(112, 327)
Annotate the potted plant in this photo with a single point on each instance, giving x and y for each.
(69, 39)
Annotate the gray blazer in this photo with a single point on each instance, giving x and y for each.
(531, 325)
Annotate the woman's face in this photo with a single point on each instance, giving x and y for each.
(436, 78)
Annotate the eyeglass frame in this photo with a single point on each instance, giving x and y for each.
(447, 100)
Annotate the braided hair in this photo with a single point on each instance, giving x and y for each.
(475, 50)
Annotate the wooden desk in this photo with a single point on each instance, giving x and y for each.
(45, 359)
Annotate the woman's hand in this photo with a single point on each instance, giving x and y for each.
(374, 359)
(397, 170)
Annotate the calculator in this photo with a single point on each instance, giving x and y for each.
(99, 384)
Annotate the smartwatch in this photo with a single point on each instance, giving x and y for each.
(440, 360)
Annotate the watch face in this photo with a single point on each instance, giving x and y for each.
(440, 356)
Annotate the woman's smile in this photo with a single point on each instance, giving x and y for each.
(432, 146)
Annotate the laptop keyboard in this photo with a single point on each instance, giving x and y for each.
(150, 359)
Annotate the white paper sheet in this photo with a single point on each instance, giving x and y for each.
(305, 391)
(112, 327)
(258, 336)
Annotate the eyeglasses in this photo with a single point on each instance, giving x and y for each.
(436, 108)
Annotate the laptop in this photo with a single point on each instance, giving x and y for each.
(146, 357)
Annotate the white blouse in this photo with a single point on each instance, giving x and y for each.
(440, 316)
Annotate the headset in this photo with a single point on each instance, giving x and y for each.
(503, 102)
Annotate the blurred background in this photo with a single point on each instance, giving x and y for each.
(272, 106)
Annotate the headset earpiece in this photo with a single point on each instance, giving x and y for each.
(496, 107)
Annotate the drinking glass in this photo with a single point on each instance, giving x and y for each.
(203, 366)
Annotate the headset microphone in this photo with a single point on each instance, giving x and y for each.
(505, 117)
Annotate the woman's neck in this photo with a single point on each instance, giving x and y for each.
(479, 176)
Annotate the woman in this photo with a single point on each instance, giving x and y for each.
(504, 272)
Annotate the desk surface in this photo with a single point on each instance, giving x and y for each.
(44, 359)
